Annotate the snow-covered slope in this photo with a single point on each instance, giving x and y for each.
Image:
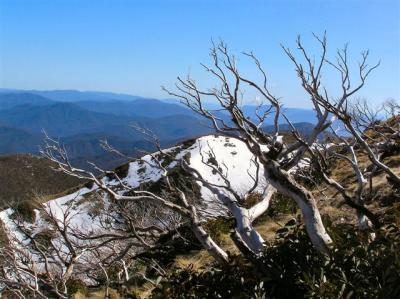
(86, 209)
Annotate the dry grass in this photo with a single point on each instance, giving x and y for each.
(344, 174)
(144, 291)
(267, 229)
(200, 259)
(98, 295)
(197, 260)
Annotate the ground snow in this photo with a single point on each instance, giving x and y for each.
(231, 155)
(232, 158)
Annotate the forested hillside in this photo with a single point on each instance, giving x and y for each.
(24, 177)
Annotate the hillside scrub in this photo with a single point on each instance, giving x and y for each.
(357, 268)
(26, 176)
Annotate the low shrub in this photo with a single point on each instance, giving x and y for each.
(44, 238)
(281, 204)
(26, 210)
(219, 226)
(76, 286)
(292, 268)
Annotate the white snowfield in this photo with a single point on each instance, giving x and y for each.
(232, 158)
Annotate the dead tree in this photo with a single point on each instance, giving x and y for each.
(340, 107)
(276, 156)
(343, 149)
(275, 160)
(234, 200)
(54, 152)
(41, 261)
(44, 255)
(224, 192)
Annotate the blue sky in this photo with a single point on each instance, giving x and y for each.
(137, 46)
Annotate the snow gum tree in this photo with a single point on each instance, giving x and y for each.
(279, 158)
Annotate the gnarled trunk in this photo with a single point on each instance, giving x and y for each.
(244, 218)
(244, 221)
(245, 230)
(206, 241)
(286, 185)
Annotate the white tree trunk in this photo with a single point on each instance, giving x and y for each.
(373, 158)
(363, 221)
(202, 236)
(246, 231)
(244, 221)
(245, 217)
(208, 243)
(284, 184)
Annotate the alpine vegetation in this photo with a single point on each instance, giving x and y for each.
(242, 212)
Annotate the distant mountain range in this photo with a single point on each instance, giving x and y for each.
(11, 100)
(81, 119)
(75, 95)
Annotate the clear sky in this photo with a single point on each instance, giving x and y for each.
(137, 46)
